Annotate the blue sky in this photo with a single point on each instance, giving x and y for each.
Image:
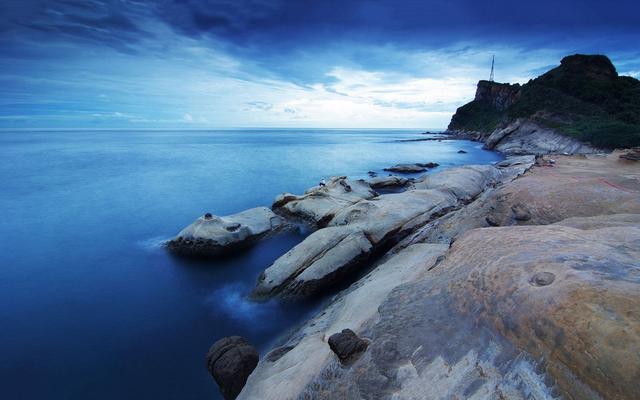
(258, 63)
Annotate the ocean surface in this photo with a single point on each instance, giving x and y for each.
(91, 305)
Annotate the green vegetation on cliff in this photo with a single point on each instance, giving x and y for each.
(584, 98)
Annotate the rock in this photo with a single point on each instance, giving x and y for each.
(347, 344)
(356, 234)
(319, 204)
(210, 235)
(462, 152)
(631, 154)
(406, 168)
(308, 353)
(230, 361)
(511, 312)
(372, 174)
(322, 259)
(412, 168)
(464, 182)
(525, 136)
(577, 186)
(387, 182)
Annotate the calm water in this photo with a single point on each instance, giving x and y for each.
(92, 308)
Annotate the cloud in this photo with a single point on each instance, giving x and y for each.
(284, 63)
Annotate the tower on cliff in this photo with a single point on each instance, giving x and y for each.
(493, 59)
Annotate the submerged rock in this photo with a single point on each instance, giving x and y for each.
(320, 203)
(211, 235)
(347, 344)
(230, 361)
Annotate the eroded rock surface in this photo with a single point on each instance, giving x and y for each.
(525, 136)
(513, 312)
(411, 168)
(391, 181)
(306, 353)
(573, 186)
(211, 235)
(320, 203)
(363, 230)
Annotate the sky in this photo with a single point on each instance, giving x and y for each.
(188, 64)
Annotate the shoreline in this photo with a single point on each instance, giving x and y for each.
(303, 349)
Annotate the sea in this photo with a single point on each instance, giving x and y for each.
(92, 306)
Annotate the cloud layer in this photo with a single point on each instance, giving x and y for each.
(177, 64)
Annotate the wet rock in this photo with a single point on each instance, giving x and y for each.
(230, 361)
(346, 344)
(211, 235)
(462, 152)
(320, 203)
(372, 174)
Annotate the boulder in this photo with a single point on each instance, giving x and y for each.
(390, 181)
(320, 203)
(347, 345)
(210, 235)
(230, 361)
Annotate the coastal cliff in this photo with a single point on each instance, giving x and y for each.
(581, 106)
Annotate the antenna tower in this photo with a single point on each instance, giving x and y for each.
(493, 59)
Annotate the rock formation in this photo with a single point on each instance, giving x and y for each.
(384, 182)
(579, 107)
(411, 168)
(347, 345)
(543, 305)
(210, 235)
(230, 361)
(320, 203)
(356, 234)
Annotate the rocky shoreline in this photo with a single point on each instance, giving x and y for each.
(518, 280)
(511, 280)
